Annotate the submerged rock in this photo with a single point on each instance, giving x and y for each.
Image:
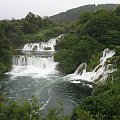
(35, 47)
(47, 48)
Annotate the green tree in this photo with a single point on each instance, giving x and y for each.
(117, 11)
(5, 54)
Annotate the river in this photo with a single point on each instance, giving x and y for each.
(34, 73)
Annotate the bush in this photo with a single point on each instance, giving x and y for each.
(73, 50)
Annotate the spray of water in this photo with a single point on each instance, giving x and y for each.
(100, 72)
(42, 46)
(35, 65)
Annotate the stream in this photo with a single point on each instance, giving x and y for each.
(34, 73)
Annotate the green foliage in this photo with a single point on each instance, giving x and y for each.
(46, 34)
(43, 35)
(17, 30)
(74, 50)
(75, 13)
(65, 57)
(84, 17)
(12, 110)
(106, 103)
(104, 27)
(105, 100)
(28, 110)
(117, 11)
(94, 60)
(5, 54)
(94, 32)
(81, 115)
(2, 68)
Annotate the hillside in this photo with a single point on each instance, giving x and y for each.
(74, 14)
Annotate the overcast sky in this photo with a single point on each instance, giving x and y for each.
(19, 8)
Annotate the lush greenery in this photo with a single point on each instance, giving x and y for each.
(73, 50)
(92, 33)
(32, 28)
(44, 34)
(28, 110)
(105, 100)
(74, 14)
(84, 43)
(5, 54)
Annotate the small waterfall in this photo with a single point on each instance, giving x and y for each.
(107, 53)
(42, 46)
(36, 61)
(100, 72)
(81, 69)
(35, 65)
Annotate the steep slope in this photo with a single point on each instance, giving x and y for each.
(74, 14)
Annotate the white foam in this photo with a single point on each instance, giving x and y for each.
(102, 70)
(42, 46)
(75, 82)
(33, 66)
(47, 102)
(107, 53)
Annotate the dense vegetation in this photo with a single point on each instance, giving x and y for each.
(84, 43)
(92, 33)
(74, 50)
(28, 110)
(105, 100)
(5, 54)
(74, 14)
(32, 28)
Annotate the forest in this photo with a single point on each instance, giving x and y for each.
(75, 13)
(83, 42)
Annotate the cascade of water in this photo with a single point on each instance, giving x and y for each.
(81, 69)
(107, 53)
(100, 72)
(35, 65)
(42, 46)
(37, 61)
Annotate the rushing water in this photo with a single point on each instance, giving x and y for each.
(34, 73)
(99, 73)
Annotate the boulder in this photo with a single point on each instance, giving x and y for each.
(47, 48)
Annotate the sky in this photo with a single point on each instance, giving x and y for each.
(19, 8)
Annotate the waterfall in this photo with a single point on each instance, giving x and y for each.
(100, 72)
(35, 65)
(42, 46)
(81, 69)
(106, 54)
(36, 61)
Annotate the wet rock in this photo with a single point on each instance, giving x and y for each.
(35, 47)
(47, 48)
